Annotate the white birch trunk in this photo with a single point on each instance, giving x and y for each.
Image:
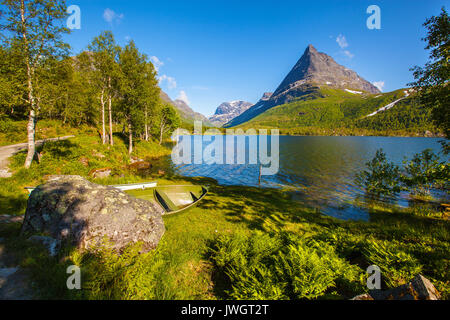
(103, 117)
(111, 139)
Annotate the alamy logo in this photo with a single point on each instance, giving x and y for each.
(235, 147)
(374, 279)
(374, 21)
(73, 281)
(74, 19)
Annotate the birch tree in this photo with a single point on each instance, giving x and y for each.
(36, 27)
(151, 99)
(105, 56)
(132, 88)
(169, 121)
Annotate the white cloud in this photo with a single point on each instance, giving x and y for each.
(171, 82)
(348, 54)
(342, 42)
(183, 96)
(156, 62)
(110, 16)
(379, 84)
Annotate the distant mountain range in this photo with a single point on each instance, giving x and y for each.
(227, 111)
(186, 113)
(319, 96)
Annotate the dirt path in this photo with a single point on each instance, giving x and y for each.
(8, 151)
(14, 282)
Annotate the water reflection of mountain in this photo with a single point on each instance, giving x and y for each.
(319, 171)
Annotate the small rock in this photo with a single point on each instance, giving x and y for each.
(140, 165)
(424, 288)
(52, 245)
(100, 173)
(6, 272)
(364, 296)
(98, 155)
(135, 159)
(5, 218)
(5, 173)
(84, 161)
(420, 288)
(14, 284)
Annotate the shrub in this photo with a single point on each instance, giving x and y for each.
(424, 172)
(381, 177)
(284, 266)
(397, 266)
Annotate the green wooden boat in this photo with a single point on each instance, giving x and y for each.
(173, 198)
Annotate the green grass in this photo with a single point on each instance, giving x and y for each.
(12, 132)
(328, 111)
(238, 243)
(248, 243)
(79, 155)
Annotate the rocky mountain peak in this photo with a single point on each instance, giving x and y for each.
(229, 110)
(266, 96)
(313, 70)
(320, 69)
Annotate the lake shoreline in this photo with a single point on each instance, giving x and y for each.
(187, 264)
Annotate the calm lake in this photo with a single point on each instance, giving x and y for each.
(320, 171)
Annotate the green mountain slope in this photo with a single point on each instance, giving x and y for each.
(187, 115)
(327, 110)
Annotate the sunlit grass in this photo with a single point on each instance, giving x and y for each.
(187, 263)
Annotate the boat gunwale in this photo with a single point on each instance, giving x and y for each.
(154, 184)
(204, 193)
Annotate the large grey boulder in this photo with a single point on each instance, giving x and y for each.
(70, 208)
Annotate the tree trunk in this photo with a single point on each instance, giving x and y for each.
(130, 138)
(146, 124)
(161, 132)
(31, 138)
(103, 117)
(31, 99)
(111, 140)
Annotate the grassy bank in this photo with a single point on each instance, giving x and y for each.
(239, 243)
(254, 244)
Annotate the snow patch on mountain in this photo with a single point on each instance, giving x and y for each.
(228, 111)
(389, 106)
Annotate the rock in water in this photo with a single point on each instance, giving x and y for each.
(70, 208)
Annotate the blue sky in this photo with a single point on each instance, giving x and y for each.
(208, 52)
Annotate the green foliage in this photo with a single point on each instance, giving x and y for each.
(327, 111)
(397, 266)
(262, 266)
(169, 120)
(432, 80)
(381, 177)
(129, 275)
(407, 116)
(400, 241)
(424, 172)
